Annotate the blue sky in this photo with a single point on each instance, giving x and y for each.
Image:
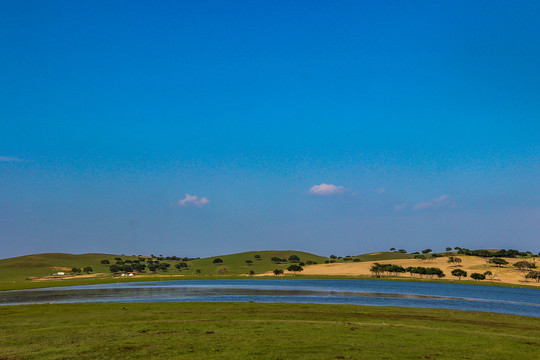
(331, 127)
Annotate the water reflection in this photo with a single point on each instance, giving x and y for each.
(361, 292)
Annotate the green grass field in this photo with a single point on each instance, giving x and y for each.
(260, 331)
(15, 271)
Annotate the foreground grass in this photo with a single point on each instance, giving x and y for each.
(260, 331)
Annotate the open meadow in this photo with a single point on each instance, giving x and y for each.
(261, 331)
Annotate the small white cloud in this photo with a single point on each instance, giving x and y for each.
(327, 189)
(10, 159)
(381, 191)
(193, 200)
(400, 207)
(440, 202)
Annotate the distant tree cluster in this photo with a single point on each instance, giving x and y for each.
(393, 270)
(429, 272)
(277, 260)
(510, 253)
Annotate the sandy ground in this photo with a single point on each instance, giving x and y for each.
(470, 264)
(59, 277)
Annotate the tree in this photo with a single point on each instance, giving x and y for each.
(198, 271)
(278, 272)
(249, 262)
(420, 257)
(217, 261)
(459, 273)
(152, 267)
(426, 251)
(139, 267)
(294, 258)
(251, 272)
(257, 257)
(164, 266)
(488, 274)
(115, 268)
(448, 249)
(88, 269)
(478, 276)
(533, 275)
(126, 268)
(498, 261)
(75, 270)
(524, 265)
(223, 270)
(181, 266)
(118, 258)
(105, 262)
(402, 251)
(376, 269)
(392, 249)
(295, 268)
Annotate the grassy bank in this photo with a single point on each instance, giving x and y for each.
(261, 331)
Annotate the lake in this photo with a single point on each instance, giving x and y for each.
(518, 301)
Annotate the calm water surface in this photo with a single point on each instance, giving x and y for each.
(517, 301)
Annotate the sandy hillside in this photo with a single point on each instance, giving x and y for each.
(470, 264)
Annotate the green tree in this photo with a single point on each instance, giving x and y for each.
(257, 257)
(459, 273)
(426, 251)
(448, 249)
(181, 266)
(488, 274)
(294, 258)
(524, 265)
(251, 272)
(498, 261)
(295, 268)
(198, 271)
(278, 272)
(76, 270)
(478, 276)
(152, 267)
(105, 262)
(217, 261)
(115, 268)
(249, 262)
(164, 266)
(88, 269)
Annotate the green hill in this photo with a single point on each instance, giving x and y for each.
(14, 271)
(235, 264)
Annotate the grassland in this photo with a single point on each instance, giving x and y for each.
(14, 272)
(260, 331)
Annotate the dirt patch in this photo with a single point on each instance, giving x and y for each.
(60, 277)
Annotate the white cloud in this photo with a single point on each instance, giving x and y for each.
(400, 207)
(381, 191)
(193, 200)
(10, 159)
(327, 189)
(440, 202)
